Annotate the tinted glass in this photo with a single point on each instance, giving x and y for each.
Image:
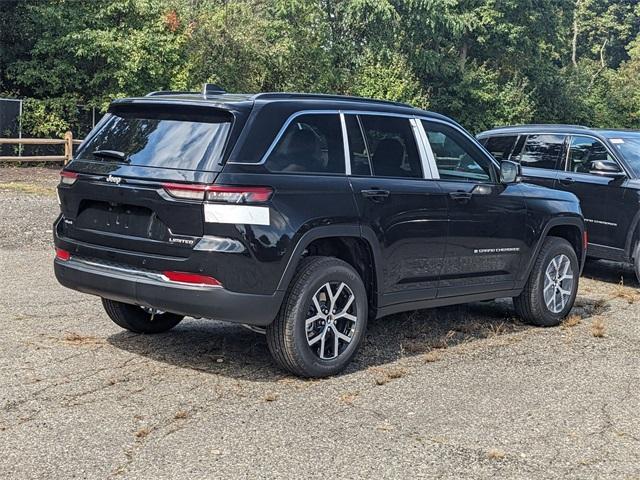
(357, 147)
(584, 150)
(392, 146)
(629, 147)
(456, 156)
(310, 144)
(501, 146)
(542, 151)
(151, 137)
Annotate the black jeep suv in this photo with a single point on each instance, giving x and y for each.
(601, 167)
(304, 215)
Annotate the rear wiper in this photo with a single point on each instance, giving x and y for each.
(120, 156)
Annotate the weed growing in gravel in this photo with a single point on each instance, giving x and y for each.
(143, 432)
(385, 375)
(598, 327)
(78, 339)
(432, 356)
(270, 397)
(496, 454)
(572, 321)
(625, 293)
(349, 397)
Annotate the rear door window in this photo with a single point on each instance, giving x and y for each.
(312, 143)
(392, 146)
(501, 146)
(158, 136)
(542, 151)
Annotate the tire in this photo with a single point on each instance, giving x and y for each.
(531, 304)
(636, 262)
(296, 347)
(138, 320)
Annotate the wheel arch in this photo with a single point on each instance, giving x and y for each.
(350, 243)
(569, 228)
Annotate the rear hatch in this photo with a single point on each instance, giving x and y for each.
(115, 196)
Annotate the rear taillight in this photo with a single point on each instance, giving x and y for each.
(68, 178)
(62, 255)
(219, 193)
(191, 278)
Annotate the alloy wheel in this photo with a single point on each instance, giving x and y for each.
(331, 320)
(558, 283)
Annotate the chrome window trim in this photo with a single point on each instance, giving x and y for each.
(426, 153)
(297, 114)
(345, 145)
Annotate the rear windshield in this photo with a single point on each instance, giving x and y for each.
(155, 136)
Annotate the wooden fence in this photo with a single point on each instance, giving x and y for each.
(67, 141)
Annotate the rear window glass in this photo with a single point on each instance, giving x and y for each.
(542, 151)
(311, 144)
(501, 146)
(192, 139)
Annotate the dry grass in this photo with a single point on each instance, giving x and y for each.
(496, 454)
(415, 347)
(349, 397)
(432, 356)
(443, 343)
(598, 328)
(270, 397)
(28, 188)
(78, 339)
(385, 375)
(181, 415)
(625, 293)
(572, 321)
(143, 432)
(497, 329)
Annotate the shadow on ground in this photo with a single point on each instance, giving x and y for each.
(233, 351)
(611, 272)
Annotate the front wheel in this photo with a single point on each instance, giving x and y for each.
(138, 319)
(322, 320)
(551, 289)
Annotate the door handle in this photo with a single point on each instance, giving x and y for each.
(567, 181)
(375, 195)
(461, 197)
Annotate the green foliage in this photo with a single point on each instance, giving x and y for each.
(483, 62)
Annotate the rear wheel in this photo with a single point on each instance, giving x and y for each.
(551, 289)
(322, 320)
(139, 319)
(636, 262)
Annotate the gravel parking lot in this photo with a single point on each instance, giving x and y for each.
(463, 392)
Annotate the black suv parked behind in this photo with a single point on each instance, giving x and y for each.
(305, 215)
(601, 167)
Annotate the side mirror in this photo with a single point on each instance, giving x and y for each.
(510, 172)
(605, 168)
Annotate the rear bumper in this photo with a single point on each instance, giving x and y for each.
(149, 289)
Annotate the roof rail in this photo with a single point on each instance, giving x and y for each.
(211, 89)
(285, 95)
(159, 93)
(542, 125)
